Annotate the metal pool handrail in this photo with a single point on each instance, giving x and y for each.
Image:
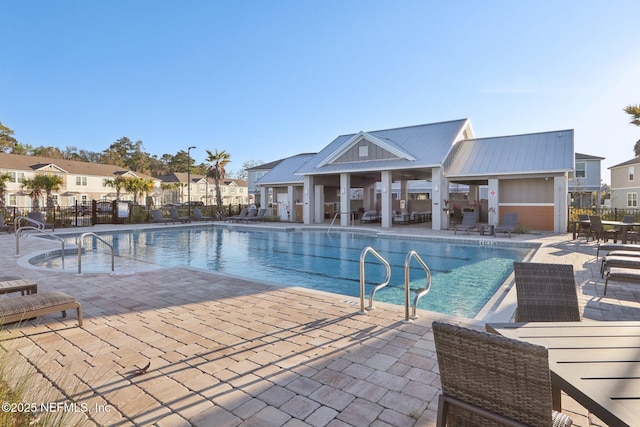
(39, 230)
(79, 243)
(407, 281)
(365, 251)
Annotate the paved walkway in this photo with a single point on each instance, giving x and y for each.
(230, 352)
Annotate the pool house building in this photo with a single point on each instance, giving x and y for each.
(430, 169)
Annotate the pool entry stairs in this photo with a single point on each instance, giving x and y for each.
(412, 255)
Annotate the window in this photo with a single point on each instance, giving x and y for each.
(12, 200)
(363, 151)
(631, 172)
(16, 177)
(632, 200)
(202, 188)
(81, 181)
(581, 170)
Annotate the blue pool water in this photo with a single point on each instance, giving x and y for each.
(464, 276)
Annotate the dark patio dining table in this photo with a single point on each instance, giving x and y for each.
(624, 226)
(596, 363)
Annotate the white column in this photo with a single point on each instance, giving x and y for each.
(308, 198)
(493, 202)
(292, 203)
(264, 197)
(345, 199)
(387, 218)
(319, 203)
(440, 219)
(404, 195)
(560, 185)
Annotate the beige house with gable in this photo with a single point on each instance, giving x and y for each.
(82, 182)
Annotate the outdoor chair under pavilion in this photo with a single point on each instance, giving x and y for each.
(490, 380)
(469, 222)
(509, 224)
(38, 218)
(546, 292)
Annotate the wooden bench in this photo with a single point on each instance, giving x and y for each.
(26, 307)
(24, 286)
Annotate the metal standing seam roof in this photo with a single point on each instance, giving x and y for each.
(517, 154)
(428, 144)
(285, 171)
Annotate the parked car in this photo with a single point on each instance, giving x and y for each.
(194, 204)
(104, 206)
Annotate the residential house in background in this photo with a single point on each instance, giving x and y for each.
(82, 182)
(625, 184)
(175, 190)
(586, 183)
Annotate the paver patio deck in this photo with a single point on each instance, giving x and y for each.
(224, 351)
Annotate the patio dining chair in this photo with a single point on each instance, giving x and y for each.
(597, 230)
(632, 235)
(584, 225)
(546, 292)
(490, 380)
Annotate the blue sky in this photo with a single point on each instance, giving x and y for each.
(268, 79)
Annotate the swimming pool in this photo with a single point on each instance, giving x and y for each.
(464, 276)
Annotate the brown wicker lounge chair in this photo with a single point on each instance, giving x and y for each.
(28, 306)
(490, 380)
(546, 292)
(608, 247)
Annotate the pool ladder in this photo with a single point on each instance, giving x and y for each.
(407, 281)
(95, 236)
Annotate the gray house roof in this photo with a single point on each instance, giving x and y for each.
(545, 152)
(285, 171)
(633, 161)
(580, 156)
(413, 147)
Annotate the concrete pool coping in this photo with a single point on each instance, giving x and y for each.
(226, 351)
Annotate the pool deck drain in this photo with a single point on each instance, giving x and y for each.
(231, 352)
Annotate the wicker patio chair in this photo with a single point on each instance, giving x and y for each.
(546, 292)
(490, 380)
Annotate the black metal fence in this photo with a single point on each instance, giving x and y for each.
(105, 212)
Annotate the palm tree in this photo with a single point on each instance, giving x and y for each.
(50, 183)
(217, 171)
(146, 186)
(172, 187)
(4, 178)
(634, 112)
(36, 188)
(118, 183)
